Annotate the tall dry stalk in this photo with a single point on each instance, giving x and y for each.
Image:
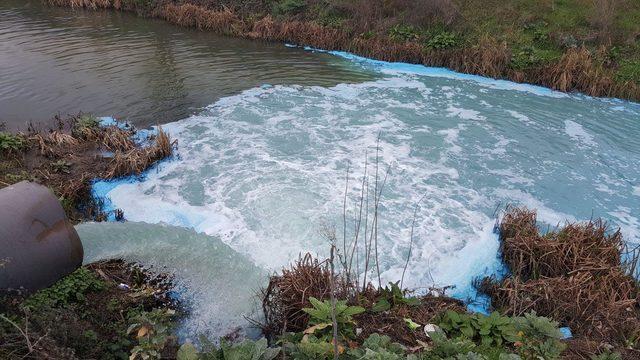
(413, 225)
(334, 321)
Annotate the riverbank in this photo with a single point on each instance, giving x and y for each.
(584, 46)
(105, 310)
(70, 155)
(311, 309)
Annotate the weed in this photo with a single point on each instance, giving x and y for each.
(320, 317)
(287, 7)
(391, 296)
(248, 349)
(629, 70)
(487, 330)
(152, 331)
(21, 176)
(84, 125)
(61, 166)
(379, 347)
(402, 32)
(443, 40)
(607, 355)
(10, 143)
(70, 290)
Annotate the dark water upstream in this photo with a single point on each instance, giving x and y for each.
(55, 60)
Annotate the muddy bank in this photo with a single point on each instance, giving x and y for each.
(588, 67)
(74, 152)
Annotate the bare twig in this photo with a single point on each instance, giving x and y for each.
(413, 224)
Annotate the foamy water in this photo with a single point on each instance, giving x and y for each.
(265, 169)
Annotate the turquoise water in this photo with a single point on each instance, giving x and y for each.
(215, 284)
(264, 170)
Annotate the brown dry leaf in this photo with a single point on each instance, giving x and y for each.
(142, 332)
(313, 329)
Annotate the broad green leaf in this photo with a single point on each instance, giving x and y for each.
(187, 352)
(411, 324)
(381, 305)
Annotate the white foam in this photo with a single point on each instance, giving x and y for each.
(522, 117)
(466, 114)
(264, 170)
(578, 133)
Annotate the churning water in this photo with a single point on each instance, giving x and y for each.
(265, 170)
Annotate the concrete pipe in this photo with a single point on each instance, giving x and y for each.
(38, 244)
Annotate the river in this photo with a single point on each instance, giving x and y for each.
(262, 160)
(57, 60)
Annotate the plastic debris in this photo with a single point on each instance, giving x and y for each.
(124, 287)
(566, 333)
(430, 328)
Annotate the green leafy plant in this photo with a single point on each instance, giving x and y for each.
(286, 7)
(83, 124)
(445, 348)
(540, 337)
(310, 347)
(61, 166)
(607, 355)
(152, 330)
(391, 296)
(71, 289)
(321, 319)
(378, 347)
(10, 143)
(485, 330)
(443, 40)
(401, 32)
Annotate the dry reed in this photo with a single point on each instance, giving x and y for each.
(575, 275)
(289, 292)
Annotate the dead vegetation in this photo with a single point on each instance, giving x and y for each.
(581, 275)
(365, 33)
(289, 292)
(77, 151)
